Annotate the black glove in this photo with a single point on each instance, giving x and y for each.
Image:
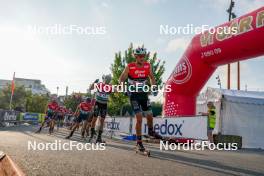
(155, 91)
(96, 81)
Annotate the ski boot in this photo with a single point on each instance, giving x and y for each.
(92, 135)
(82, 134)
(140, 149)
(39, 130)
(99, 137)
(70, 135)
(154, 135)
(51, 131)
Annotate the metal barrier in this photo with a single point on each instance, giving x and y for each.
(14, 117)
(9, 116)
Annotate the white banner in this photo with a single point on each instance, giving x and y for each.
(185, 127)
(121, 125)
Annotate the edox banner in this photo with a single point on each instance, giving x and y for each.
(185, 127)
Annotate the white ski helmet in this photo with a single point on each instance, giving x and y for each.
(107, 78)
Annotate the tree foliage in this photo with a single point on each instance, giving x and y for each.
(23, 100)
(72, 101)
(19, 97)
(117, 100)
(37, 103)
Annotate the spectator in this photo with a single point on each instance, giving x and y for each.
(211, 114)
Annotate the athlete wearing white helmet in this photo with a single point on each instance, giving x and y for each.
(138, 73)
(100, 108)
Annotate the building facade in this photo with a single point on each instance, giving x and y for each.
(32, 85)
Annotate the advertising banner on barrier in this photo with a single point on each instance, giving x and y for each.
(121, 125)
(33, 117)
(30, 116)
(185, 127)
(6, 115)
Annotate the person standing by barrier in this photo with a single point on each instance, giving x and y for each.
(138, 74)
(50, 113)
(211, 114)
(83, 114)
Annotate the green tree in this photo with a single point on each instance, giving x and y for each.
(73, 101)
(19, 97)
(37, 103)
(117, 100)
(23, 100)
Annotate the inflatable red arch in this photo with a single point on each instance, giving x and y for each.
(205, 53)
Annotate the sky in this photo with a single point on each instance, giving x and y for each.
(76, 60)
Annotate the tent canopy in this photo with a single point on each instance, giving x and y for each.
(237, 113)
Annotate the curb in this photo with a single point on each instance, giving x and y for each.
(8, 167)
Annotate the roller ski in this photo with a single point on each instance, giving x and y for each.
(84, 136)
(153, 137)
(140, 149)
(39, 130)
(99, 138)
(92, 136)
(51, 131)
(70, 135)
(99, 141)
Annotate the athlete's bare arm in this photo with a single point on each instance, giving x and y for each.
(77, 110)
(151, 77)
(124, 75)
(91, 87)
(46, 109)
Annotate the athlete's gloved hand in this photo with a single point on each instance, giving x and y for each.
(127, 93)
(155, 91)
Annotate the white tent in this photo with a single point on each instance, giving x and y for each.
(237, 113)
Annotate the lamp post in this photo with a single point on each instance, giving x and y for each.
(232, 15)
(218, 81)
(57, 91)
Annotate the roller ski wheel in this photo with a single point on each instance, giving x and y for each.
(143, 152)
(99, 141)
(51, 131)
(83, 136)
(67, 137)
(91, 140)
(140, 149)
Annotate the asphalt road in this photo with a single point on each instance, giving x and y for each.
(119, 158)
